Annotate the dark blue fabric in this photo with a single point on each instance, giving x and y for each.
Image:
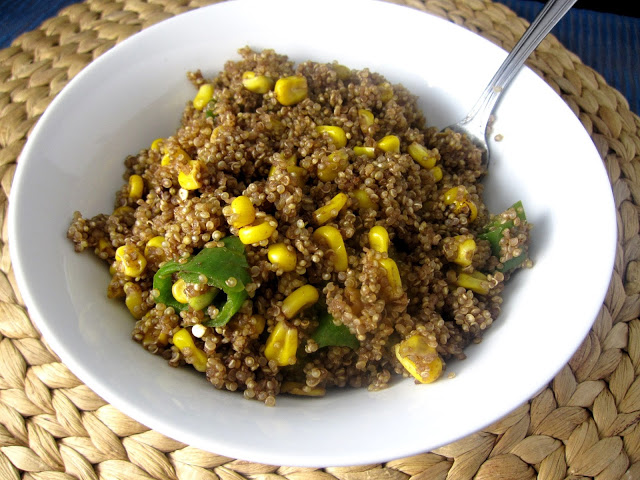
(19, 16)
(608, 43)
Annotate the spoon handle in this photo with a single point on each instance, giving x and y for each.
(552, 12)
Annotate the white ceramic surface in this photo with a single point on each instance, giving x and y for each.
(135, 93)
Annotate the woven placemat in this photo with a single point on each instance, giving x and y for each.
(584, 424)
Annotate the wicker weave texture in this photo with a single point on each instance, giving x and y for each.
(583, 425)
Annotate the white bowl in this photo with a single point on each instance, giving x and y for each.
(136, 92)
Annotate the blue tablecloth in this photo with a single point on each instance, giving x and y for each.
(606, 42)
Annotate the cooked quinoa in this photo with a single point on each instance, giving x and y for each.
(360, 241)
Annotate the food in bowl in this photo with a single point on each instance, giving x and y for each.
(305, 229)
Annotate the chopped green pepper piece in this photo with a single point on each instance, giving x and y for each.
(493, 234)
(163, 281)
(225, 268)
(203, 300)
(209, 110)
(329, 334)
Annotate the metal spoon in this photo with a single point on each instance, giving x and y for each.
(474, 125)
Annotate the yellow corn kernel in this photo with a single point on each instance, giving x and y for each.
(333, 238)
(337, 162)
(475, 281)
(257, 233)
(179, 153)
(473, 210)
(258, 324)
(331, 209)
(275, 125)
(297, 172)
(299, 388)
(103, 244)
(367, 151)
(291, 90)
(422, 155)
(459, 197)
(123, 210)
(342, 72)
(155, 145)
(183, 340)
(386, 91)
(203, 300)
(282, 256)
(161, 339)
(291, 168)
(204, 96)
(154, 243)
(136, 186)
(390, 143)
(437, 173)
(243, 210)
(191, 180)
(363, 198)
(451, 195)
(466, 249)
(178, 291)
(133, 299)
(366, 119)
(419, 359)
(337, 135)
(257, 83)
(132, 260)
(299, 299)
(379, 239)
(216, 132)
(282, 344)
(393, 276)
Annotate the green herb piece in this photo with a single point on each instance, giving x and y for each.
(225, 269)
(493, 233)
(209, 113)
(329, 334)
(162, 283)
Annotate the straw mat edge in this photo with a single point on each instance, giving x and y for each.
(583, 425)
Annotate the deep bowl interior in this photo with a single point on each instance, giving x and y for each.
(135, 93)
